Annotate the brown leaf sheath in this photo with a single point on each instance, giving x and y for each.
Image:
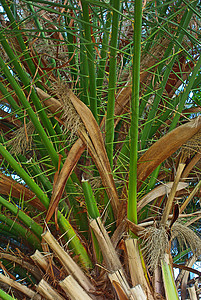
(94, 141)
(92, 138)
(165, 147)
(69, 165)
(9, 186)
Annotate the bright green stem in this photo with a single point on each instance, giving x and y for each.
(181, 257)
(34, 169)
(91, 60)
(22, 173)
(123, 157)
(91, 204)
(73, 240)
(164, 116)
(33, 96)
(132, 193)
(153, 178)
(180, 34)
(5, 296)
(70, 45)
(109, 126)
(168, 281)
(16, 229)
(31, 224)
(18, 35)
(47, 143)
(104, 50)
(185, 94)
(64, 224)
(12, 102)
(84, 75)
(93, 213)
(36, 172)
(40, 29)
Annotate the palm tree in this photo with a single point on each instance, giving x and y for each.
(100, 149)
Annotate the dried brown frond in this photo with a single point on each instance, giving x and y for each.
(186, 237)
(22, 139)
(71, 118)
(191, 147)
(154, 245)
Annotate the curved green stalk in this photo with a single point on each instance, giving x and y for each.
(91, 60)
(22, 173)
(63, 223)
(31, 224)
(12, 102)
(132, 190)
(5, 296)
(18, 35)
(28, 86)
(31, 113)
(73, 241)
(168, 281)
(91, 204)
(167, 111)
(33, 168)
(177, 41)
(93, 213)
(16, 229)
(29, 60)
(109, 125)
(104, 50)
(36, 172)
(70, 45)
(84, 75)
(152, 181)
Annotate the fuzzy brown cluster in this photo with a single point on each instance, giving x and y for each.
(192, 146)
(186, 237)
(70, 117)
(22, 139)
(155, 242)
(154, 245)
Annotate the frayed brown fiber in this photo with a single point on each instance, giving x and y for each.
(186, 237)
(20, 144)
(154, 245)
(155, 242)
(191, 147)
(70, 117)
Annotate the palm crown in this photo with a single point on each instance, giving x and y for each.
(100, 147)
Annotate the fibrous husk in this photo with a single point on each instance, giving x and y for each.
(154, 245)
(22, 139)
(192, 146)
(155, 242)
(70, 117)
(186, 237)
